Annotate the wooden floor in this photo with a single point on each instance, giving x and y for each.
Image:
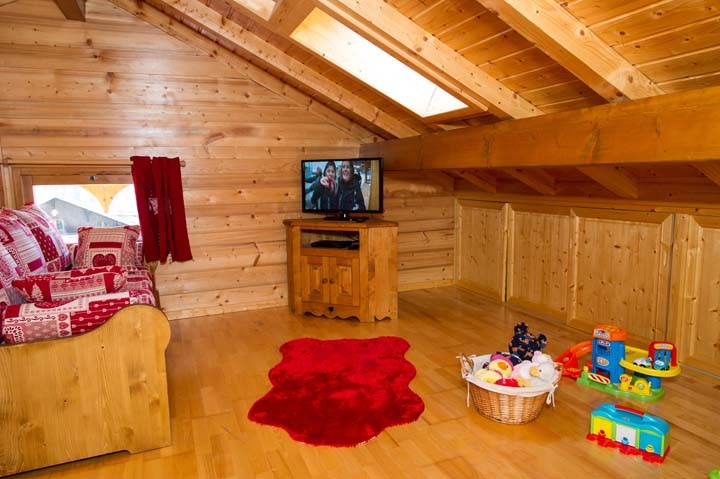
(218, 367)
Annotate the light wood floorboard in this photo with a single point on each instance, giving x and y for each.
(218, 367)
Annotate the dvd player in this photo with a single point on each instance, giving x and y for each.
(337, 244)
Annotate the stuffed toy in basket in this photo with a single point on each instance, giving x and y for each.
(508, 404)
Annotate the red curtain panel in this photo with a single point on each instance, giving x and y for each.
(161, 208)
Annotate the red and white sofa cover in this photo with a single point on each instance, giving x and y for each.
(42, 297)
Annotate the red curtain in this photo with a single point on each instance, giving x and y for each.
(161, 208)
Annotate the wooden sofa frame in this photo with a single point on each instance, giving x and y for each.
(83, 396)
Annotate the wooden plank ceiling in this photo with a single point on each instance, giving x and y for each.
(506, 59)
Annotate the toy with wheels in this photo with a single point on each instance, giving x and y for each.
(569, 359)
(624, 370)
(631, 431)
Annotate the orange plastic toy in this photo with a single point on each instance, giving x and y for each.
(569, 359)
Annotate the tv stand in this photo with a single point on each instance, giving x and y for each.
(356, 282)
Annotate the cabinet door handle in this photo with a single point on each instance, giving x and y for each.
(324, 281)
(332, 281)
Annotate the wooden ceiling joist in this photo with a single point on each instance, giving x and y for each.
(288, 15)
(479, 178)
(72, 9)
(680, 127)
(537, 179)
(711, 170)
(275, 58)
(574, 46)
(388, 28)
(613, 179)
(160, 20)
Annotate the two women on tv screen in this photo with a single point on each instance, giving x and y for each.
(338, 190)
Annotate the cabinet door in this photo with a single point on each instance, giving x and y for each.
(344, 281)
(313, 279)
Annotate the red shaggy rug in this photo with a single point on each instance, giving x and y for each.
(340, 392)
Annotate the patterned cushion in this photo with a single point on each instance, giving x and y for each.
(82, 272)
(37, 321)
(51, 242)
(21, 244)
(106, 246)
(9, 271)
(42, 288)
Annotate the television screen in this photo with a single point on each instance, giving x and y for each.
(342, 186)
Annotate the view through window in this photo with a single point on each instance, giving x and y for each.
(71, 206)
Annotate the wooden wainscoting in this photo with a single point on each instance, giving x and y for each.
(539, 242)
(694, 312)
(619, 271)
(481, 247)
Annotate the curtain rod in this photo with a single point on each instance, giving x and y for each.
(182, 162)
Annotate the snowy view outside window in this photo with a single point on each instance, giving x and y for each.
(71, 206)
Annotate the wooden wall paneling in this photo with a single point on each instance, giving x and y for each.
(424, 210)
(694, 312)
(96, 93)
(539, 241)
(620, 271)
(481, 247)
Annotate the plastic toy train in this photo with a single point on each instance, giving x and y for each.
(631, 431)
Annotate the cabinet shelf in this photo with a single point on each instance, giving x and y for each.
(339, 282)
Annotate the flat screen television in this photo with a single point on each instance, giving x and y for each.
(340, 187)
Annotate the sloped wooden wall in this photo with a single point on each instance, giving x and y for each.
(652, 272)
(86, 96)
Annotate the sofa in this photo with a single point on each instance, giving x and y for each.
(83, 356)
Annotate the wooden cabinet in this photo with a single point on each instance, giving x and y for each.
(343, 282)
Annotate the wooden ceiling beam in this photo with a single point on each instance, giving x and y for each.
(574, 46)
(177, 30)
(711, 170)
(261, 8)
(681, 127)
(72, 9)
(392, 31)
(537, 179)
(288, 15)
(478, 178)
(613, 179)
(273, 57)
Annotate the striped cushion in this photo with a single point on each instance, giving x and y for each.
(21, 244)
(51, 242)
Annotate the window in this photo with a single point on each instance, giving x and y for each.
(334, 41)
(100, 205)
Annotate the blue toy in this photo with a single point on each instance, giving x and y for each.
(631, 431)
(623, 370)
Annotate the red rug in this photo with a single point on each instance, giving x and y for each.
(340, 392)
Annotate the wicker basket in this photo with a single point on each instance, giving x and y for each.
(504, 404)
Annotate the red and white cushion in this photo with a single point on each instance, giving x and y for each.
(9, 271)
(42, 288)
(51, 243)
(21, 244)
(82, 272)
(46, 320)
(106, 246)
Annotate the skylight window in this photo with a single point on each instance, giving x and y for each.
(326, 36)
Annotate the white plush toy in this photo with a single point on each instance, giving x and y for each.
(542, 374)
(522, 373)
(538, 372)
(541, 358)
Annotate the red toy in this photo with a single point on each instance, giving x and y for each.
(569, 359)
